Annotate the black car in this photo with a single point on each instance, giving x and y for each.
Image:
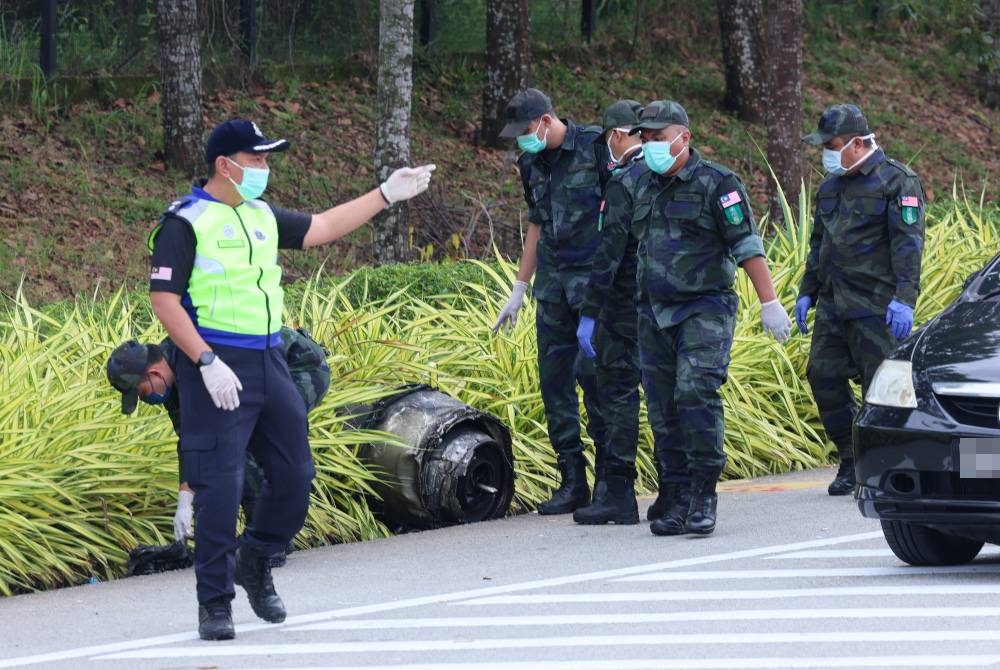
(927, 438)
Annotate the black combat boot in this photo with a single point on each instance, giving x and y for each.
(616, 505)
(843, 483)
(676, 501)
(701, 514)
(573, 491)
(215, 620)
(662, 503)
(253, 573)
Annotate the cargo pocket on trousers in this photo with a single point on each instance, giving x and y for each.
(197, 454)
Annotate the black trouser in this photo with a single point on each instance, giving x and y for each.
(215, 443)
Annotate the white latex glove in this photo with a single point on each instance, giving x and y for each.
(775, 320)
(406, 183)
(184, 516)
(508, 315)
(222, 384)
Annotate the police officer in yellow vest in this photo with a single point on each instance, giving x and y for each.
(215, 284)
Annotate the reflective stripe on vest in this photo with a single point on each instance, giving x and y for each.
(235, 290)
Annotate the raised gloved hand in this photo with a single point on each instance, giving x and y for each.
(802, 306)
(222, 384)
(508, 315)
(184, 516)
(775, 320)
(584, 335)
(406, 183)
(899, 317)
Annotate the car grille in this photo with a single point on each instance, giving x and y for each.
(972, 411)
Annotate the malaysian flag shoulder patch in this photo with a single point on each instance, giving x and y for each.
(909, 209)
(161, 273)
(730, 199)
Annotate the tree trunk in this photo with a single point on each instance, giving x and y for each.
(180, 80)
(390, 242)
(507, 63)
(989, 64)
(741, 26)
(784, 118)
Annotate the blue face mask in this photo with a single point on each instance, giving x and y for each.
(157, 398)
(531, 143)
(657, 155)
(254, 181)
(833, 158)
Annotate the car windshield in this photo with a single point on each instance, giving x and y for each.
(985, 284)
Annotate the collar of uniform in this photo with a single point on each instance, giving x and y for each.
(569, 142)
(872, 162)
(198, 191)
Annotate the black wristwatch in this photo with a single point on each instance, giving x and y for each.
(206, 358)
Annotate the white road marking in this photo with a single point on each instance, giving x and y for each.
(898, 571)
(750, 594)
(969, 661)
(833, 553)
(438, 599)
(730, 638)
(848, 613)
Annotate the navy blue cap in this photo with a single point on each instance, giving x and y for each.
(235, 135)
(524, 108)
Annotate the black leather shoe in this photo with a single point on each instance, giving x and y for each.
(843, 483)
(253, 573)
(677, 503)
(573, 491)
(215, 621)
(616, 505)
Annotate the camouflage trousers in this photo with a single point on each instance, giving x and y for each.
(617, 368)
(561, 367)
(842, 351)
(683, 368)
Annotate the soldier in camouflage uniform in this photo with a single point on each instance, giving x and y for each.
(563, 170)
(146, 372)
(863, 271)
(694, 226)
(607, 330)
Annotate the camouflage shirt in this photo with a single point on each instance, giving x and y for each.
(867, 240)
(612, 276)
(563, 188)
(306, 363)
(693, 229)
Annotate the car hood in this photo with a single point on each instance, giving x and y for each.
(962, 344)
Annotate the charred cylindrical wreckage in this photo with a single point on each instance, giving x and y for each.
(454, 464)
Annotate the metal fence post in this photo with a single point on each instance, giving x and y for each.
(428, 21)
(588, 19)
(248, 30)
(47, 43)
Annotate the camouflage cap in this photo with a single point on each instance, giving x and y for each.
(524, 108)
(660, 114)
(126, 368)
(835, 121)
(621, 114)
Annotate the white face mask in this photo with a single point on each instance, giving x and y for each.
(833, 158)
(615, 159)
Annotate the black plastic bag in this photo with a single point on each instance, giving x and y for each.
(148, 559)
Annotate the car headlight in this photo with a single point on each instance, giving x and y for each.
(892, 385)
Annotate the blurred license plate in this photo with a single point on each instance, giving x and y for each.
(979, 458)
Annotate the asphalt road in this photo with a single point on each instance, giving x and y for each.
(791, 579)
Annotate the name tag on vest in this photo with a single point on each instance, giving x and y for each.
(231, 244)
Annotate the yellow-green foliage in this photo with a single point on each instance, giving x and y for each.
(80, 483)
